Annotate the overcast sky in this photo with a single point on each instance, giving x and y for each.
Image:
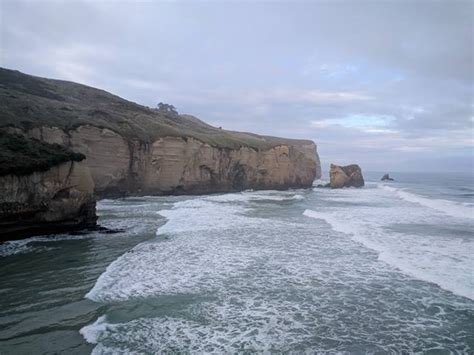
(386, 84)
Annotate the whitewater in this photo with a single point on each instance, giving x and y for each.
(386, 268)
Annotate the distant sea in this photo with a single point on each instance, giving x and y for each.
(385, 268)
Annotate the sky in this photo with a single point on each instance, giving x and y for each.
(385, 84)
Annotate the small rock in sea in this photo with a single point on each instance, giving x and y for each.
(105, 230)
(113, 231)
(386, 177)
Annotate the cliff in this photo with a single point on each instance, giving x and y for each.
(43, 189)
(132, 149)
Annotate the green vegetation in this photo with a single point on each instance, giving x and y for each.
(23, 156)
(166, 108)
(27, 101)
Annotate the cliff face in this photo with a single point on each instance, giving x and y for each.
(132, 149)
(182, 165)
(55, 200)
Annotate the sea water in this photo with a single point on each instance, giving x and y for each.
(385, 268)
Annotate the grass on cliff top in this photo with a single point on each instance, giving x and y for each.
(23, 156)
(27, 102)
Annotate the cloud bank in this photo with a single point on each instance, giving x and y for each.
(386, 84)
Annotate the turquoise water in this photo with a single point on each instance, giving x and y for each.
(386, 268)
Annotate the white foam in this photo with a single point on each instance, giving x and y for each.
(15, 247)
(21, 246)
(432, 261)
(277, 197)
(449, 207)
(92, 332)
(336, 223)
(227, 329)
(444, 261)
(208, 240)
(247, 196)
(266, 285)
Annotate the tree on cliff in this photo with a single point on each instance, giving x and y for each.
(166, 108)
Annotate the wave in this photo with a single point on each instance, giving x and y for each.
(21, 246)
(248, 196)
(444, 262)
(192, 256)
(193, 232)
(233, 278)
(336, 224)
(92, 331)
(448, 207)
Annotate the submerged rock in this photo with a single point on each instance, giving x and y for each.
(386, 177)
(345, 176)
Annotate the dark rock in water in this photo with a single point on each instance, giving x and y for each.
(322, 186)
(98, 229)
(112, 231)
(346, 176)
(386, 177)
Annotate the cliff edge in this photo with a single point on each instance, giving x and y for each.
(133, 149)
(44, 189)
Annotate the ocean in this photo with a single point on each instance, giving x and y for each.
(387, 268)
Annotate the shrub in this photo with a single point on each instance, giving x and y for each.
(23, 156)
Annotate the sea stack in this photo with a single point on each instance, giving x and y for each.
(386, 177)
(345, 176)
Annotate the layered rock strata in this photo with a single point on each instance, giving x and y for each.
(181, 165)
(56, 200)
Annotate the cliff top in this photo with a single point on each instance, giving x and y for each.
(23, 156)
(28, 101)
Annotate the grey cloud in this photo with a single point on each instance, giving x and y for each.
(271, 67)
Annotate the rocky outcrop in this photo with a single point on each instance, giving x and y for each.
(181, 165)
(57, 200)
(345, 176)
(44, 188)
(386, 177)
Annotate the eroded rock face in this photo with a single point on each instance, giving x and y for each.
(345, 176)
(108, 156)
(59, 199)
(189, 166)
(338, 177)
(176, 165)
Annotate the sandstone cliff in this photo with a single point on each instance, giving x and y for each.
(132, 149)
(56, 197)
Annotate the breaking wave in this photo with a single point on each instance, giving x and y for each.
(449, 207)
